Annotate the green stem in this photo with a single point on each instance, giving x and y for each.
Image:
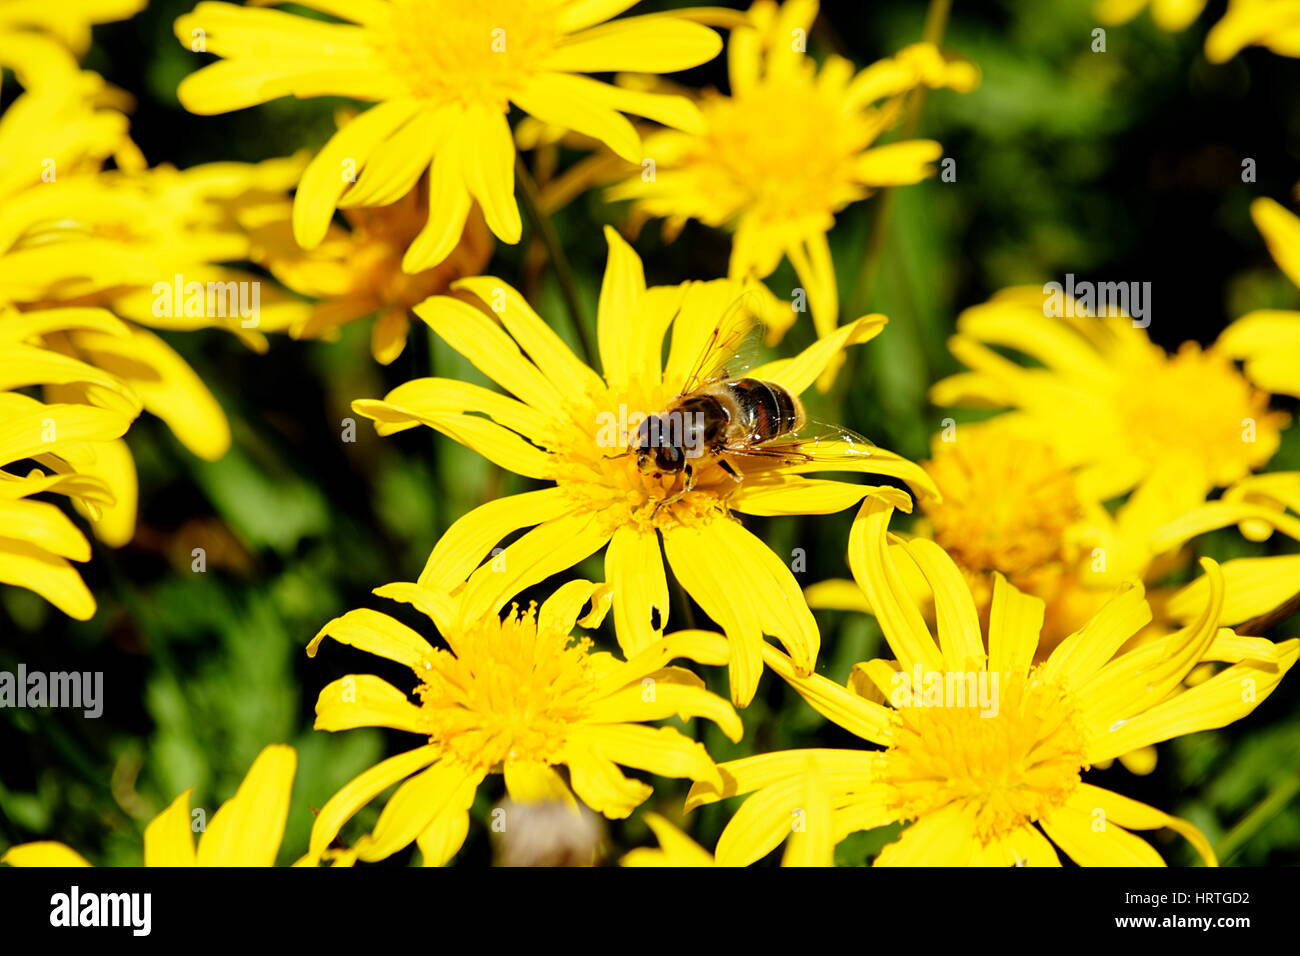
(563, 274)
(1282, 793)
(936, 22)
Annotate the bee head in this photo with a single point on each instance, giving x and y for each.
(654, 454)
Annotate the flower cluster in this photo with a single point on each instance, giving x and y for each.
(1044, 612)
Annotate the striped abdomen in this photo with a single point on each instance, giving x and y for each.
(759, 410)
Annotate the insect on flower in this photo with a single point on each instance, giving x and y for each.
(721, 413)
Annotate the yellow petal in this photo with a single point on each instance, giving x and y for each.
(246, 830)
(567, 102)
(637, 45)
(361, 790)
(836, 594)
(167, 386)
(43, 854)
(601, 785)
(799, 372)
(414, 805)
(1015, 623)
(675, 848)
(472, 536)
(635, 568)
(1138, 816)
(547, 350)
(327, 177)
(533, 782)
(550, 548)
(900, 619)
(865, 718)
(621, 290)
(706, 561)
(48, 575)
(1226, 697)
(958, 621)
(658, 699)
(1081, 655)
(491, 176)
(490, 349)
(943, 838)
(813, 841)
(376, 633)
(659, 750)
(1090, 839)
(169, 839)
(364, 700)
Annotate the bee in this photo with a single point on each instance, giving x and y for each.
(722, 416)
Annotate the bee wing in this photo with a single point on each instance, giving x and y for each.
(733, 346)
(814, 442)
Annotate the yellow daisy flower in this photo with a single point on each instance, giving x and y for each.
(1109, 401)
(1268, 340)
(563, 428)
(246, 830)
(133, 241)
(521, 696)
(789, 148)
(357, 272)
(1274, 24)
(68, 440)
(983, 750)
(443, 74)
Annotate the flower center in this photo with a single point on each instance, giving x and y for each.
(1196, 403)
(462, 51)
(1008, 503)
(507, 692)
(782, 149)
(1006, 763)
(602, 477)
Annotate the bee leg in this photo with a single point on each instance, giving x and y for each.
(730, 469)
(688, 484)
(622, 454)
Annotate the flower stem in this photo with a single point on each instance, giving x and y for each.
(1282, 793)
(936, 21)
(555, 252)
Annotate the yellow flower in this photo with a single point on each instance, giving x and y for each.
(982, 749)
(38, 39)
(789, 148)
(246, 830)
(444, 73)
(1274, 24)
(357, 272)
(131, 241)
(563, 428)
(1268, 340)
(1010, 506)
(69, 440)
(521, 696)
(1171, 15)
(1109, 401)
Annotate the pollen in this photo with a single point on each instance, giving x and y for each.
(507, 691)
(1004, 767)
(1008, 504)
(473, 53)
(1196, 403)
(598, 471)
